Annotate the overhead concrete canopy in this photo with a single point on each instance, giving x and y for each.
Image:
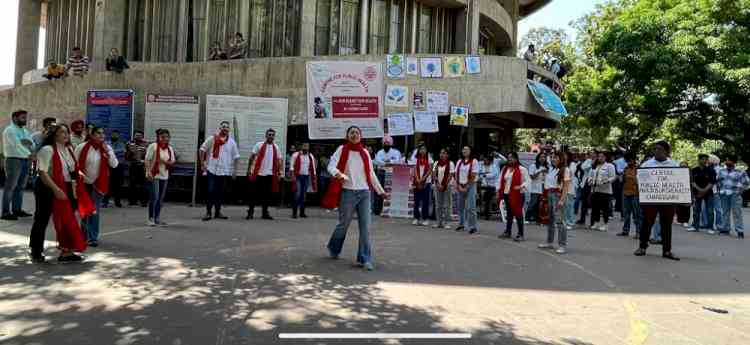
(527, 7)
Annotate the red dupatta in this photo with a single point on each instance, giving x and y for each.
(219, 141)
(458, 169)
(157, 157)
(69, 234)
(422, 161)
(311, 171)
(446, 165)
(332, 199)
(102, 181)
(515, 198)
(259, 161)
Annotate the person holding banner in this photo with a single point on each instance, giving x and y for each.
(303, 176)
(265, 169)
(55, 197)
(351, 167)
(442, 175)
(422, 186)
(511, 188)
(95, 158)
(159, 159)
(666, 213)
(219, 155)
(467, 170)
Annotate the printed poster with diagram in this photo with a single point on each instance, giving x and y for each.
(395, 66)
(664, 186)
(400, 124)
(180, 115)
(454, 66)
(459, 116)
(344, 93)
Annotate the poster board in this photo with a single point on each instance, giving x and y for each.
(398, 201)
(459, 116)
(181, 116)
(437, 101)
(111, 109)
(252, 116)
(400, 124)
(426, 122)
(664, 186)
(344, 93)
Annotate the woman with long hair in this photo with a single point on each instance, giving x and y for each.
(556, 185)
(159, 159)
(95, 158)
(537, 172)
(422, 186)
(466, 172)
(442, 175)
(511, 187)
(602, 175)
(55, 197)
(354, 178)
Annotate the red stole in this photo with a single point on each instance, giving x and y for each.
(219, 141)
(446, 166)
(69, 234)
(422, 161)
(458, 169)
(157, 157)
(259, 161)
(311, 171)
(101, 184)
(515, 198)
(332, 198)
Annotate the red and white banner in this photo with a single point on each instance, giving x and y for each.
(341, 94)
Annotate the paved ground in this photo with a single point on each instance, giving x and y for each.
(244, 282)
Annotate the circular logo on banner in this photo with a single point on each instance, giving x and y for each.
(395, 70)
(370, 73)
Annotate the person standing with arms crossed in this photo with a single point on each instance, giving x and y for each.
(219, 156)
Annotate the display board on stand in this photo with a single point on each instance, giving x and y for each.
(111, 110)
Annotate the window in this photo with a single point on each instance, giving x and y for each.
(349, 38)
(378, 27)
(322, 27)
(337, 27)
(425, 30)
(394, 45)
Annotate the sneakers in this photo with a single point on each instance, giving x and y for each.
(436, 226)
(569, 227)
(685, 225)
(426, 223)
(604, 227)
(504, 235)
(368, 266)
(545, 246)
(518, 239)
(561, 250)
(460, 228)
(712, 232)
(640, 252)
(415, 222)
(93, 244)
(9, 217)
(70, 258)
(37, 258)
(206, 218)
(151, 222)
(594, 226)
(623, 234)
(220, 216)
(691, 229)
(741, 235)
(22, 214)
(473, 231)
(447, 227)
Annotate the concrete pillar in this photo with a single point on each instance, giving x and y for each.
(307, 28)
(109, 30)
(473, 20)
(364, 21)
(182, 31)
(27, 37)
(414, 20)
(131, 32)
(245, 19)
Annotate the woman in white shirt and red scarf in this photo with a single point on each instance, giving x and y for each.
(352, 169)
(159, 159)
(95, 158)
(303, 169)
(511, 188)
(422, 186)
(467, 170)
(442, 175)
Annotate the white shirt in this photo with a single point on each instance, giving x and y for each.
(93, 161)
(602, 177)
(525, 179)
(653, 163)
(440, 172)
(224, 165)
(393, 155)
(355, 170)
(550, 181)
(304, 163)
(537, 184)
(266, 166)
(462, 171)
(164, 157)
(572, 169)
(44, 160)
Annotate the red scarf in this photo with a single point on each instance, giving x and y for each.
(101, 184)
(311, 169)
(332, 198)
(157, 157)
(69, 234)
(219, 140)
(259, 161)
(422, 161)
(458, 169)
(446, 165)
(515, 198)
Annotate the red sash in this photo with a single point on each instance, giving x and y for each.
(332, 199)
(219, 141)
(259, 161)
(311, 171)
(458, 169)
(422, 161)
(157, 157)
(102, 182)
(69, 234)
(515, 198)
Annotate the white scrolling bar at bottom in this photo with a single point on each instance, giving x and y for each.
(374, 336)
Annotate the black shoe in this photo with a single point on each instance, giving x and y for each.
(220, 216)
(9, 217)
(249, 216)
(505, 235)
(267, 217)
(623, 234)
(70, 258)
(118, 205)
(93, 244)
(655, 242)
(581, 222)
(37, 258)
(460, 228)
(302, 214)
(640, 252)
(518, 239)
(473, 231)
(22, 214)
(206, 218)
(741, 235)
(294, 213)
(670, 256)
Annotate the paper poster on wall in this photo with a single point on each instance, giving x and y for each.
(412, 66)
(397, 96)
(111, 109)
(395, 66)
(400, 124)
(454, 66)
(664, 186)
(344, 93)
(418, 100)
(459, 116)
(473, 65)
(431, 67)
(398, 202)
(249, 117)
(437, 101)
(180, 115)
(426, 122)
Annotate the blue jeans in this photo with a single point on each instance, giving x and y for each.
(422, 203)
(569, 210)
(303, 181)
(732, 207)
(467, 207)
(16, 174)
(656, 230)
(562, 239)
(156, 191)
(351, 201)
(91, 223)
(577, 205)
(719, 215)
(698, 204)
(631, 208)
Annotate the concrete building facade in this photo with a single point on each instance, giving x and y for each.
(168, 43)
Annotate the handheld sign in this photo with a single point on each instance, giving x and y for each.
(664, 186)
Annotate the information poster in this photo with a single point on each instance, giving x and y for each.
(399, 197)
(664, 186)
(249, 118)
(425, 122)
(473, 65)
(454, 66)
(395, 66)
(400, 124)
(344, 93)
(431, 67)
(412, 66)
(397, 96)
(111, 109)
(459, 116)
(180, 115)
(437, 101)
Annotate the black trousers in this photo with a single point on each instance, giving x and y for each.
(43, 196)
(488, 195)
(509, 216)
(666, 215)
(600, 203)
(262, 190)
(116, 177)
(585, 202)
(617, 194)
(137, 180)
